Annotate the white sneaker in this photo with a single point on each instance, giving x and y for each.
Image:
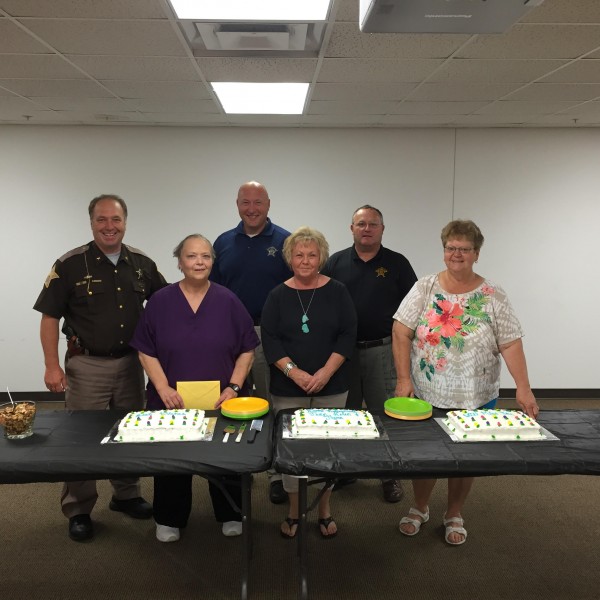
(232, 528)
(164, 533)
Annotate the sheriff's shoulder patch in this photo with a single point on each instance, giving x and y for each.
(52, 275)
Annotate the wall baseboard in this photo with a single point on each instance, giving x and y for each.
(579, 393)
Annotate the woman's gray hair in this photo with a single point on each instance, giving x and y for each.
(198, 236)
(305, 235)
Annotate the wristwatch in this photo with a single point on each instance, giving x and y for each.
(234, 387)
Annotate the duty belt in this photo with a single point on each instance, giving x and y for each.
(374, 343)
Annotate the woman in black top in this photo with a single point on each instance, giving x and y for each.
(308, 333)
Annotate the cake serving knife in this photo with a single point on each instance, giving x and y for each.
(255, 427)
(240, 432)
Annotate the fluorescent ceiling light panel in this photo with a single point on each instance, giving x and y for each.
(261, 98)
(252, 10)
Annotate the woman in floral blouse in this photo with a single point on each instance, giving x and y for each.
(448, 335)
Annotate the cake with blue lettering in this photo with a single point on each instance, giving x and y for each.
(492, 425)
(169, 425)
(333, 423)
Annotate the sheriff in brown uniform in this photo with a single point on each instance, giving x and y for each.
(99, 289)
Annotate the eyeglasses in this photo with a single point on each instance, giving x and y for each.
(364, 225)
(453, 249)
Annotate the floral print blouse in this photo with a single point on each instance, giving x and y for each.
(455, 356)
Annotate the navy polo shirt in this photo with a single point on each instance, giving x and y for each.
(251, 266)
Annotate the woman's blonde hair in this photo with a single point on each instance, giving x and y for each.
(305, 235)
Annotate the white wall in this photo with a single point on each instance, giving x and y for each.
(531, 191)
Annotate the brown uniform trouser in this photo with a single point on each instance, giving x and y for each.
(98, 383)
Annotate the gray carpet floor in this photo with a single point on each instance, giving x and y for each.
(529, 538)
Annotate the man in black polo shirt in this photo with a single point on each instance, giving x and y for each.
(377, 279)
(99, 289)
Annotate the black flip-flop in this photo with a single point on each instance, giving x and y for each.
(325, 523)
(290, 522)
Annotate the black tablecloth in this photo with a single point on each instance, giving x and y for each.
(423, 449)
(66, 446)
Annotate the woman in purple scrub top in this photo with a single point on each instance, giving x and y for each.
(194, 330)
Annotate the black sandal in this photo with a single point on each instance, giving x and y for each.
(325, 523)
(290, 523)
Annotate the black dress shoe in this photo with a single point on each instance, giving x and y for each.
(137, 508)
(392, 490)
(81, 528)
(277, 494)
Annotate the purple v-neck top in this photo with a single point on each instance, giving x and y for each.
(200, 346)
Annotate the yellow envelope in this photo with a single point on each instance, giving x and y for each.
(199, 394)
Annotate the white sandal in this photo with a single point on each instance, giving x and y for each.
(414, 522)
(452, 529)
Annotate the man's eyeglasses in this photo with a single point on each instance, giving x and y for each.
(453, 249)
(364, 225)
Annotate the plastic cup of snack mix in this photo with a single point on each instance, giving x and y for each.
(17, 419)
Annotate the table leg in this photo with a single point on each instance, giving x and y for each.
(302, 535)
(246, 531)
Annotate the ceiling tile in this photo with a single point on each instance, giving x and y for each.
(495, 71)
(190, 119)
(252, 69)
(561, 11)
(136, 68)
(341, 120)
(587, 109)
(128, 38)
(85, 104)
(157, 89)
(350, 107)
(384, 71)
(348, 41)
(581, 71)
(535, 41)
(505, 107)
(357, 91)
(180, 106)
(417, 121)
(82, 9)
(13, 40)
(557, 91)
(36, 66)
(437, 108)
(14, 103)
(347, 10)
(457, 92)
(73, 88)
(264, 120)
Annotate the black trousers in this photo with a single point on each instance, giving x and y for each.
(173, 499)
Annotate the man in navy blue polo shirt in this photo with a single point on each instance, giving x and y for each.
(249, 262)
(377, 279)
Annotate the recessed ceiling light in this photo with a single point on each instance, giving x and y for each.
(252, 10)
(261, 98)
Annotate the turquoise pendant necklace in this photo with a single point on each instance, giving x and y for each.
(305, 328)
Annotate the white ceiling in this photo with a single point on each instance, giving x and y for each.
(117, 62)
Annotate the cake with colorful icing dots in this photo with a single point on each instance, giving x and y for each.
(485, 425)
(172, 425)
(333, 423)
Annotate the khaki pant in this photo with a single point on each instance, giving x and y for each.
(98, 383)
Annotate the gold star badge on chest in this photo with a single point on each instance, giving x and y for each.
(52, 275)
(139, 272)
(381, 271)
(272, 251)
